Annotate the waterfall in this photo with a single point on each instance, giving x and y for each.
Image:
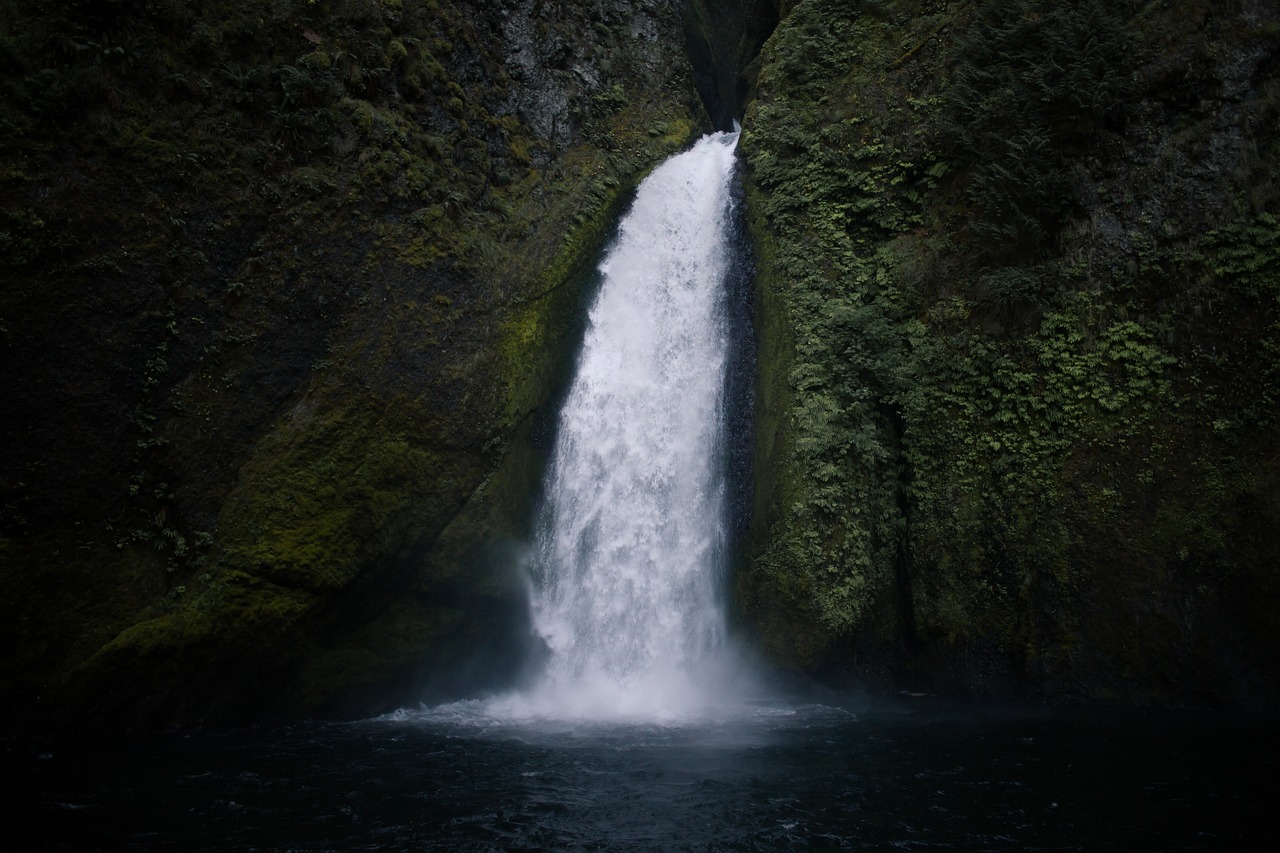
(629, 558)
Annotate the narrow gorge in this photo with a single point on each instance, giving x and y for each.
(293, 295)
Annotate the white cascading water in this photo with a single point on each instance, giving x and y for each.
(628, 562)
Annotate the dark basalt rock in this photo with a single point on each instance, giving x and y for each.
(286, 292)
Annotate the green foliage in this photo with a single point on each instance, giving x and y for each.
(335, 499)
(832, 190)
(1247, 256)
(1000, 384)
(995, 427)
(609, 100)
(298, 275)
(1030, 82)
(1010, 287)
(20, 237)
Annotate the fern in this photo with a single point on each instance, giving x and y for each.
(1030, 81)
(1247, 255)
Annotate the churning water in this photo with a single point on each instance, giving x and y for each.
(919, 776)
(629, 559)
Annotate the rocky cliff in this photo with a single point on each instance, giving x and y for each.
(286, 288)
(1019, 284)
(287, 291)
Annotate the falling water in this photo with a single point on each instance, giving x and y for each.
(629, 557)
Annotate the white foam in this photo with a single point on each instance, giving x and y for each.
(628, 562)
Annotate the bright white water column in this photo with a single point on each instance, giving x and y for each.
(628, 562)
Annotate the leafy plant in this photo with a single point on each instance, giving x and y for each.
(1030, 82)
(1247, 255)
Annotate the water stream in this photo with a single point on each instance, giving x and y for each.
(629, 560)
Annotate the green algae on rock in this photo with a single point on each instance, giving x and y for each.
(1004, 447)
(287, 289)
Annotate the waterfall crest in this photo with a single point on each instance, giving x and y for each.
(629, 557)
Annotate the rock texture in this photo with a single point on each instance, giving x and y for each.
(286, 288)
(1019, 309)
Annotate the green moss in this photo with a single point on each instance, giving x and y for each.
(333, 491)
(986, 424)
(239, 609)
(830, 190)
(341, 282)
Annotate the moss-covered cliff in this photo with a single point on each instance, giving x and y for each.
(1020, 319)
(285, 288)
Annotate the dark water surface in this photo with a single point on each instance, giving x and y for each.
(918, 776)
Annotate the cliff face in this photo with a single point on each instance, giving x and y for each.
(286, 287)
(1019, 270)
(287, 291)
